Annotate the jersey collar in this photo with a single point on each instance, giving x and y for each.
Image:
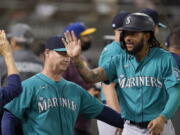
(49, 80)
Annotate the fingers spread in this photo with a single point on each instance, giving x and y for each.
(3, 35)
(68, 36)
(64, 42)
(154, 129)
(151, 127)
(73, 36)
(150, 124)
(79, 42)
(0, 34)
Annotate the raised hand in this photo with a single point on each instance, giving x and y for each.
(4, 44)
(72, 44)
(6, 51)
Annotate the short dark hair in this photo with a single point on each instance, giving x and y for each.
(153, 41)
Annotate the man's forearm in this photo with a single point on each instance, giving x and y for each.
(11, 67)
(173, 102)
(111, 96)
(92, 76)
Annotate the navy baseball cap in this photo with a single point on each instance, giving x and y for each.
(79, 29)
(55, 43)
(154, 15)
(117, 21)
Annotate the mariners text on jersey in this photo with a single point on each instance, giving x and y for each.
(48, 103)
(139, 81)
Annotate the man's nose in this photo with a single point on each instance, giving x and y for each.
(128, 38)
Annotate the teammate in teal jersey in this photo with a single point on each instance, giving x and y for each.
(49, 105)
(149, 83)
(108, 92)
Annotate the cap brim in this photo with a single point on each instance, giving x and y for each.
(162, 25)
(88, 31)
(119, 29)
(60, 50)
(133, 29)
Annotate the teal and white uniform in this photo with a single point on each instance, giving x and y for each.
(46, 107)
(112, 49)
(143, 86)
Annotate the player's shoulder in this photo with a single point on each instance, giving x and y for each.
(73, 86)
(32, 81)
(112, 47)
(162, 50)
(113, 44)
(163, 53)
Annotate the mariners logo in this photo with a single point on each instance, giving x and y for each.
(128, 21)
(177, 73)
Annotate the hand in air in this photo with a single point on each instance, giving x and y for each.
(4, 44)
(72, 44)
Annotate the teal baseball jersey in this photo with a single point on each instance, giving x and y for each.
(112, 49)
(142, 89)
(46, 107)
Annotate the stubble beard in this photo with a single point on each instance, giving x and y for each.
(137, 48)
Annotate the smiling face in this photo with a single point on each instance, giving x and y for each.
(134, 41)
(57, 61)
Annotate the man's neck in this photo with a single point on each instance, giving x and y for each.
(55, 77)
(144, 52)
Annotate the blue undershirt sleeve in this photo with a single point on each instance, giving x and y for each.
(10, 124)
(111, 117)
(173, 101)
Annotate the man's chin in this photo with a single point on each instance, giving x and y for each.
(131, 52)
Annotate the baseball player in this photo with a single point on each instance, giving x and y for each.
(49, 105)
(108, 93)
(148, 77)
(13, 88)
